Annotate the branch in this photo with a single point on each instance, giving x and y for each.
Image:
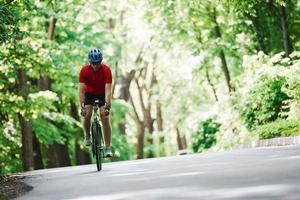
(211, 84)
(140, 94)
(139, 58)
(8, 2)
(115, 82)
(150, 90)
(134, 108)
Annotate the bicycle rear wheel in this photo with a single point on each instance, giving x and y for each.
(96, 131)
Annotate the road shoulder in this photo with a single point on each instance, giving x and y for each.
(13, 186)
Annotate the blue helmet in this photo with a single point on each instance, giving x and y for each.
(95, 56)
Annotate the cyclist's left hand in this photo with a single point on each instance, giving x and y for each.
(106, 108)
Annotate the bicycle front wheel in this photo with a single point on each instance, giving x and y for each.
(96, 131)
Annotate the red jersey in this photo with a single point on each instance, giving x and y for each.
(95, 80)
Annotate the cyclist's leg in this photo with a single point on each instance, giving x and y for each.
(106, 127)
(105, 121)
(88, 101)
(87, 119)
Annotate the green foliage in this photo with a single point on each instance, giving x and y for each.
(180, 46)
(25, 46)
(10, 148)
(279, 128)
(271, 88)
(264, 18)
(55, 127)
(12, 104)
(122, 149)
(9, 27)
(292, 88)
(265, 101)
(205, 136)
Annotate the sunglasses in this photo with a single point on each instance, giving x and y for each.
(95, 63)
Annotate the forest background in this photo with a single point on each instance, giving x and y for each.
(188, 75)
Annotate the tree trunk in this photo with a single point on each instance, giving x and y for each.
(148, 121)
(140, 130)
(51, 28)
(159, 118)
(114, 82)
(184, 143)
(44, 83)
(26, 125)
(82, 157)
(159, 121)
(73, 111)
(285, 33)
(211, 84)
(225, 70)
(179, 141)
(51, 155)
(140, 137)
(222, 54)
(258, 32)
(146, 109)
(57, 153)
(27, 148)
(62, 152)
(149, 125)
(140, 123)
(38, 159)
(124, 81)
(150, 128)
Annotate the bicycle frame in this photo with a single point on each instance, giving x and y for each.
(96, 116)
(95, 109)
(97, 142)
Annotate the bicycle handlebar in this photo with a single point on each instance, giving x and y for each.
(97, 104)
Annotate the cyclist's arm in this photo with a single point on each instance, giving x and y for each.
(108, 93)
(81, 87)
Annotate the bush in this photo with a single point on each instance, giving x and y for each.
(265, 102)
(279, 128)
(269, 88)
(205, 136)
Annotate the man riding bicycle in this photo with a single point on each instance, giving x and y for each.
(95, 81)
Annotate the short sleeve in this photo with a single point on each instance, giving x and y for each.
(108, 76)
(82, 76)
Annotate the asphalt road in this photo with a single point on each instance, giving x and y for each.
(262, 173)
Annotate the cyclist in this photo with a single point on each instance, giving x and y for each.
(95, 81)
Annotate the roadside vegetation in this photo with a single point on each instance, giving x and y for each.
(188, 74)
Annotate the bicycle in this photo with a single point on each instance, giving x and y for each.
(97, 137)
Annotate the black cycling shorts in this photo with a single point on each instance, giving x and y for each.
(89, 98)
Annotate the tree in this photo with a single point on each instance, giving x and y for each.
(11, 36)
(188, 22)
(269, 17)
(26, 125)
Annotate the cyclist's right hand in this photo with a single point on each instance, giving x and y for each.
(83, 111)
